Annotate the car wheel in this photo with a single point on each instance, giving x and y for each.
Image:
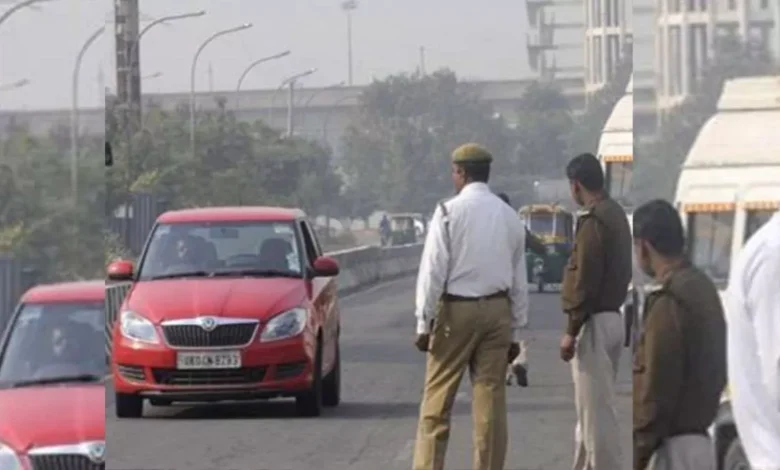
(309, 404)
(128, 406)
(735, 458)
(331, 389)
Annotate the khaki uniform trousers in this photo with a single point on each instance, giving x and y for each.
(474, 334)
(594, 372)
(686, 452)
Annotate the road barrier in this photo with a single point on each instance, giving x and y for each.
(359, 268)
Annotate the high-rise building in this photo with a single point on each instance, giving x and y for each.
(687, 30)
(555, 39)
(607, 39)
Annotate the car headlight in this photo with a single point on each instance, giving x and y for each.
(137, 328)
(8, 459)
(286, 325)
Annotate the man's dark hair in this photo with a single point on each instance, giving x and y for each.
(586, 169)
(504, 197)
(658, 223)
(477, 172)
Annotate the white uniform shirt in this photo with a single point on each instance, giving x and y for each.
(753, 318)
(487, 243)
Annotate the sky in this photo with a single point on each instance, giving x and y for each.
(479, 40)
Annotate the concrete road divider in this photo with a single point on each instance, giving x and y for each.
(361, 267)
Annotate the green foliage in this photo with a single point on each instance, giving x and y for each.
(235, 163)
(39, 222)
(659, 160)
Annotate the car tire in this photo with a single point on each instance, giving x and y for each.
(128, 406)
(331, 387)
(735, 458)
(309, 404)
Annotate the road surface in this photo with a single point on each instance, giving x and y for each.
(374, 427)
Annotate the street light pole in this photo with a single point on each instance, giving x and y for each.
(251, 66)
(349, 6)
(313, 95)
(134, 48)
(192, 76)
(74, 115)
(26, 3)
(290, 98)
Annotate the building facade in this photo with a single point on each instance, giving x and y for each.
(555, 38)
(607, 39)
(686, 33)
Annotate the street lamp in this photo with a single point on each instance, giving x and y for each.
(146, 28)
(74, 114)
(252, 66)
(192, 76)
(290, 97)
(26, 3)
(17, 84)
(151, 76)
(349, 6)
(332, 87)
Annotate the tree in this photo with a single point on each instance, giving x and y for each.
(659, 160)
(397, 154)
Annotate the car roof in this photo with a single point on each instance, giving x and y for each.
(79, 291)
(232, 214)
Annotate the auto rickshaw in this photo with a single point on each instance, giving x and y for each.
(553, 225)
(404, 228)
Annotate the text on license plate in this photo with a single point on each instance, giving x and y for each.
(209, 360)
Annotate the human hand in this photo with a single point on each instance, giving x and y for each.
(568, 345)
(514, 351)
(422, 342)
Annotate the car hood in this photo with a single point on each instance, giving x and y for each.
(174, 299)
(52, 415)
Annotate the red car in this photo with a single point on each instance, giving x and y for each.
(228, 304)
(52, 371)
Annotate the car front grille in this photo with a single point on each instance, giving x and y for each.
(194, 336)
(243, 376)
(64, 462)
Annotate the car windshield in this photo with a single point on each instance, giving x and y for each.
(56, 342)
(709, 236)
(224, 248)
(541, 223)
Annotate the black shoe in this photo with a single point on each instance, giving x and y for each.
(521, 374)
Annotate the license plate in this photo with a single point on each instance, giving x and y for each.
(209, 360)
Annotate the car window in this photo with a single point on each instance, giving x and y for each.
(315, 239)
(308, 242)
(55, 340)
(221, 248)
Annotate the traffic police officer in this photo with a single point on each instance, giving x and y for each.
(680, 364)
(595, 285)
(472, 302)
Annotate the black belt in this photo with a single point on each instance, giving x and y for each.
(459, 298)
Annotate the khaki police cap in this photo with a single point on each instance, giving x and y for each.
(471, 153)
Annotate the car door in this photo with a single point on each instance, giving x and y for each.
(323, 297)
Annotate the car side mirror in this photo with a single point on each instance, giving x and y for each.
(325, 266)
(120, 271)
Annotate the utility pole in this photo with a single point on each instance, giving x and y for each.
(349, 6)
(128, 87)
(422, 60)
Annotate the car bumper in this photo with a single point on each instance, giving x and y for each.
(270, 370)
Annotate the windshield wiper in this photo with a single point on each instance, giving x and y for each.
(182, 274)
(82, 378)
(258, 273)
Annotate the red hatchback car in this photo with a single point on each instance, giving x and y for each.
(52, 371)
(228, 304)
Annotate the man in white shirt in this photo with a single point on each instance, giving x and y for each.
(753, 319)
(472, 302)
